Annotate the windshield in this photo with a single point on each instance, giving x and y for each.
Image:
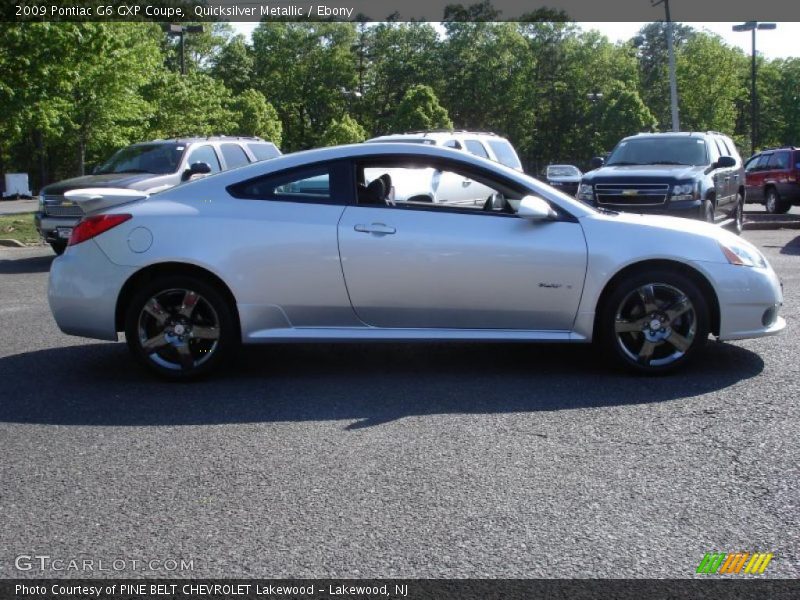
(563, 171)
(158, 159)
(659, 151)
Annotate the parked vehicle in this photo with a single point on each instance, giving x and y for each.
(147, 166)
(432, 184)
(249, 256)
(694, 175)
(772, 178)
(565, 178)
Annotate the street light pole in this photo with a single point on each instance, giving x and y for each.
(752, 26)
(180, 30)
(673, 80)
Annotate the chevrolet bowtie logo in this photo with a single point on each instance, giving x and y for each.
(629, 192)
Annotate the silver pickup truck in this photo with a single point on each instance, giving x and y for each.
(147, 166)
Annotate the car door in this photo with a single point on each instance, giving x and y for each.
(719, 175)
(447, 266)
(752, 190)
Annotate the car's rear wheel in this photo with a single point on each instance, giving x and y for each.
(774, 204)
(654, 321)
(180, 327)
(58, 247)
(738, 216)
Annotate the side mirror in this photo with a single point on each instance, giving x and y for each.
(534, 208)
(597, 162)
(725, 162)
(198, 168)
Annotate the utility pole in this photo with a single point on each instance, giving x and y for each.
(752, 26)
(673, 81)
(180, 30)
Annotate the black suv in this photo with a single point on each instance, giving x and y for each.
(695, 175)
(147, 166)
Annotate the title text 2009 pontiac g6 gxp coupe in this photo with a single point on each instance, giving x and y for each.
(313, 246)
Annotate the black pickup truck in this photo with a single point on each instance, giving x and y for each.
(685, 174)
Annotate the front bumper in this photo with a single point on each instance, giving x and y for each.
(48, 226)
(680, 208)
(749, 300)
(83, 289)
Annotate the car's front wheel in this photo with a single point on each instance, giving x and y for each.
(180, 327)
(654, 321)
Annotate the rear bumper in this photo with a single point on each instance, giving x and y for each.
(47, 225)
(83, 290)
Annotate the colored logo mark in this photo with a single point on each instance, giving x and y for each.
(734, 563)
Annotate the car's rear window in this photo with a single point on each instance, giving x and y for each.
(264, 151)
(505, 153)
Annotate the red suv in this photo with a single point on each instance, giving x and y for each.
(772, 178)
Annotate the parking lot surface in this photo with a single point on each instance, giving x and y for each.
(396, 460)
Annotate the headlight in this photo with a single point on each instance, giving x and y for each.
(738, 254)
(585, 192)
(683, 191)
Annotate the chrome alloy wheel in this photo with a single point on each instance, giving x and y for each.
(178, 329)
(655, 324)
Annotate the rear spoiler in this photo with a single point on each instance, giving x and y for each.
(93, 199)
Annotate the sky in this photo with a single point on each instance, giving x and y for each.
(779, 43)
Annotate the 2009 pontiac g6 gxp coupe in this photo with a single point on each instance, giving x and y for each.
(313, 246)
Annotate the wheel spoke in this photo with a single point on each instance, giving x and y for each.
(205, 333)
(155, 342)
(627, 326)
(681, 306)
(155, 310)
(185, 356)
(678, 341)
(190, 299)
(648, 296)
(646, 351)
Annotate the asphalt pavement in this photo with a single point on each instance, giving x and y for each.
(396, 460)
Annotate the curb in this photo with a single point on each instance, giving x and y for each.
(12, 244)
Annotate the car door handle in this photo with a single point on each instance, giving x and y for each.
(380, 228)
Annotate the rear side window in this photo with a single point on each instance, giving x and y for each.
(476, 148)
(317, 184)
(263, 151)
(505, 153)
(234, 155)
(452, 144)
(779, 160)
(204, 154)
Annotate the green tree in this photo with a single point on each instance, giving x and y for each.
(621, 113)
(420, 109)
(343, 131)
(234, 65)
(256, 116)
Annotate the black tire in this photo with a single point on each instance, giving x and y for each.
(738, 216)
(655, 331)
(707, 211)
(58, 247)
(189, 323)
(774, 203)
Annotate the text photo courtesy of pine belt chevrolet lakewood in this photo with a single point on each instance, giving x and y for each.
(254, 256)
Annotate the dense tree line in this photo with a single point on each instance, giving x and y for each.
(72, 93)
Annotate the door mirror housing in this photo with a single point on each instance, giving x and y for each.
(597, 162)
(726, 162)
(534, 208)
(198, 168)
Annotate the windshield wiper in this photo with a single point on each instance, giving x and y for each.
(615, 164)
(666, 162)
(131, 171)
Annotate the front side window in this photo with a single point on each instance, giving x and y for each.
(204, 154)
(417, 184)
(158, 159)
(660, 151)
(751, 164)
(234, 155)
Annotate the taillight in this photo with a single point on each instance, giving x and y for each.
(90, 227)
